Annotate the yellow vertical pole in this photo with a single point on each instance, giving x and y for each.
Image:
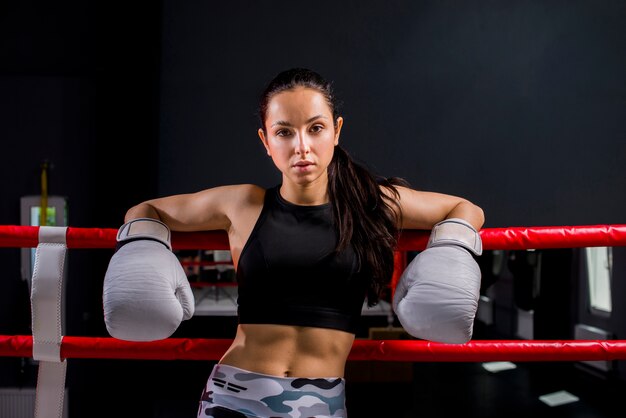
(43, 212)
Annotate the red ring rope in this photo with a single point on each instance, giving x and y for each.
(512, 238)
(385, 350)
(382, 350)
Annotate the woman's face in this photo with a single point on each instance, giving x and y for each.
(300, 134)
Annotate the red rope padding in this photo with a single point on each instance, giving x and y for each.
(19, 236)
(513, 238)
(543, 237)
(382, 350)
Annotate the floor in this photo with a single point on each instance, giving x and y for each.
(451, 389)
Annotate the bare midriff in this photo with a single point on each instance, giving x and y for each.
(289, 351)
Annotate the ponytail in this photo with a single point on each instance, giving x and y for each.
(365, 217)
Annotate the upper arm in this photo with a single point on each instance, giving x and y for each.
(208, 209)
(422, 210)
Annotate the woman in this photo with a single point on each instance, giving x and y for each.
(308, 252)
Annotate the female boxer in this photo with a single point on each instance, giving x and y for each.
(308, 253)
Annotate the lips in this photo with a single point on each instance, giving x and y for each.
(303, 163)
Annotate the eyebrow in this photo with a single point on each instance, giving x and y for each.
(287, 124)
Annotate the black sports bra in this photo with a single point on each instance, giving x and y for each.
(289, 273)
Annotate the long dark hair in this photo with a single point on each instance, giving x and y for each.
(365, 216)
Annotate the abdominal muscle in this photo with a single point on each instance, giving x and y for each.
(289, 351)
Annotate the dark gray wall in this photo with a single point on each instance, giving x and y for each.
(519, 106)
(78, 88)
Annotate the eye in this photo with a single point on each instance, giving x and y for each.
(317, 128)
(283, 133)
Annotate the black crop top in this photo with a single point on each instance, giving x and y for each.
(289, 273)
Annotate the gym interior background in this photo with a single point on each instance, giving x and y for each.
(520, 106)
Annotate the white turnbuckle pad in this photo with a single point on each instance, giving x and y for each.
(46, 307)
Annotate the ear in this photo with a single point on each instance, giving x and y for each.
(338, 125)
(264, 140)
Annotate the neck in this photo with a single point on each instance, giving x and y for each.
(309, 194)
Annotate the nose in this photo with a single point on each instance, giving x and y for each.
(303, 147)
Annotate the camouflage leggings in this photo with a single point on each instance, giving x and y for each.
(231, 392)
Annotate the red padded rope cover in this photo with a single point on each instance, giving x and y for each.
(387, 350)
(383, 350)
(512, 238)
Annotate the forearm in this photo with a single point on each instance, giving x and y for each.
(422, 210)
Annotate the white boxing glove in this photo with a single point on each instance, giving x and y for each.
(146, 293)
(437, 295)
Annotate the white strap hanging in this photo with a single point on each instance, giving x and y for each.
(46, 306)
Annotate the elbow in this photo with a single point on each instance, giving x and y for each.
(141, 210)
(479, 214)
(470, 212)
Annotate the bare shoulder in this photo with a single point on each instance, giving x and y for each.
(241, 200)
(233, 192)
(212, 208)
(253, 192)
(245, 194)
(391, 191)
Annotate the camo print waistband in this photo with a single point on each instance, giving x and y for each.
(231, 392)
